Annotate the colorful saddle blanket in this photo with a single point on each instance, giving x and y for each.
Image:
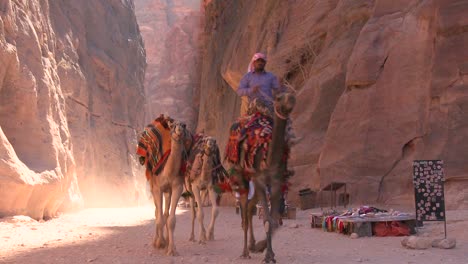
(256, 131)
(219, 175)
(154, 144)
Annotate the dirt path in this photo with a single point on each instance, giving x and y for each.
(124, 235)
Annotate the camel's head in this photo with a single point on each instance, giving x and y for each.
(178, 130)
(165, 120)
(284, 104)
(209, 146)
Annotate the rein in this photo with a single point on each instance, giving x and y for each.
(279, 115)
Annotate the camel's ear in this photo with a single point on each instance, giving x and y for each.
(170, 124)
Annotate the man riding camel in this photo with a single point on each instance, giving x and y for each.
(260, 88)
(259, 84)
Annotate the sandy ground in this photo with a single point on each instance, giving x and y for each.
(124, 235)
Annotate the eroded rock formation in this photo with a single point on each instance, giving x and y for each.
(71, 98)
(170, 29)
(379, 83)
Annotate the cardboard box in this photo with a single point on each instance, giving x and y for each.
(291, 212)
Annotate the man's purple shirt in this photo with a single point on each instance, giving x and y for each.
(267, 82)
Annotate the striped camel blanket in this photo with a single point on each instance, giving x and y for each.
(253, 133)
(154, 145)
(219, 175)
(256, 131)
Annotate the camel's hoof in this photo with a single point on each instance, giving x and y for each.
(245, 256)
(203, 237)
(211, 236)
(160, 243)
(202, 242)
(192, 239)
(172, 252)
(252, 247)
(269, 258)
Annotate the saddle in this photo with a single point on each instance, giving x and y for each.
(256, 131)
(194, 163)
(154, 144)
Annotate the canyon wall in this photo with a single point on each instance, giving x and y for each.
(71, 101)
(379, 83)
(170, 29)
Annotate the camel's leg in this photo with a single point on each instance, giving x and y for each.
(267, 222)
(156, 234)
(159, 241)
(245, 223)
(167, 205)
(177, 189)
(192, 208)
(214, 212)
(196, 193)
(203, 195)
(250, 209)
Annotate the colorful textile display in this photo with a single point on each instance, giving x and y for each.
(340, 223)
(393, 228)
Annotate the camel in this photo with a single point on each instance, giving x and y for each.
(266, 169)
(170, 184)
(205, 170)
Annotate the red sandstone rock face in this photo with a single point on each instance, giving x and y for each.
(379, 84)
(71, 98)
(170, 31)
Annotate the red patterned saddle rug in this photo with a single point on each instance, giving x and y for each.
(154, 144)
(256, 131)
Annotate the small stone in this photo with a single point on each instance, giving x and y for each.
(294, 225)
(447, 243)
(354, 236)
(414, 242)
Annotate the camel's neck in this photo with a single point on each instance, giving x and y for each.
(207, 168)
(175, 158)
(276, 151)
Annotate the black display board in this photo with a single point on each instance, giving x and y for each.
(428, 180)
